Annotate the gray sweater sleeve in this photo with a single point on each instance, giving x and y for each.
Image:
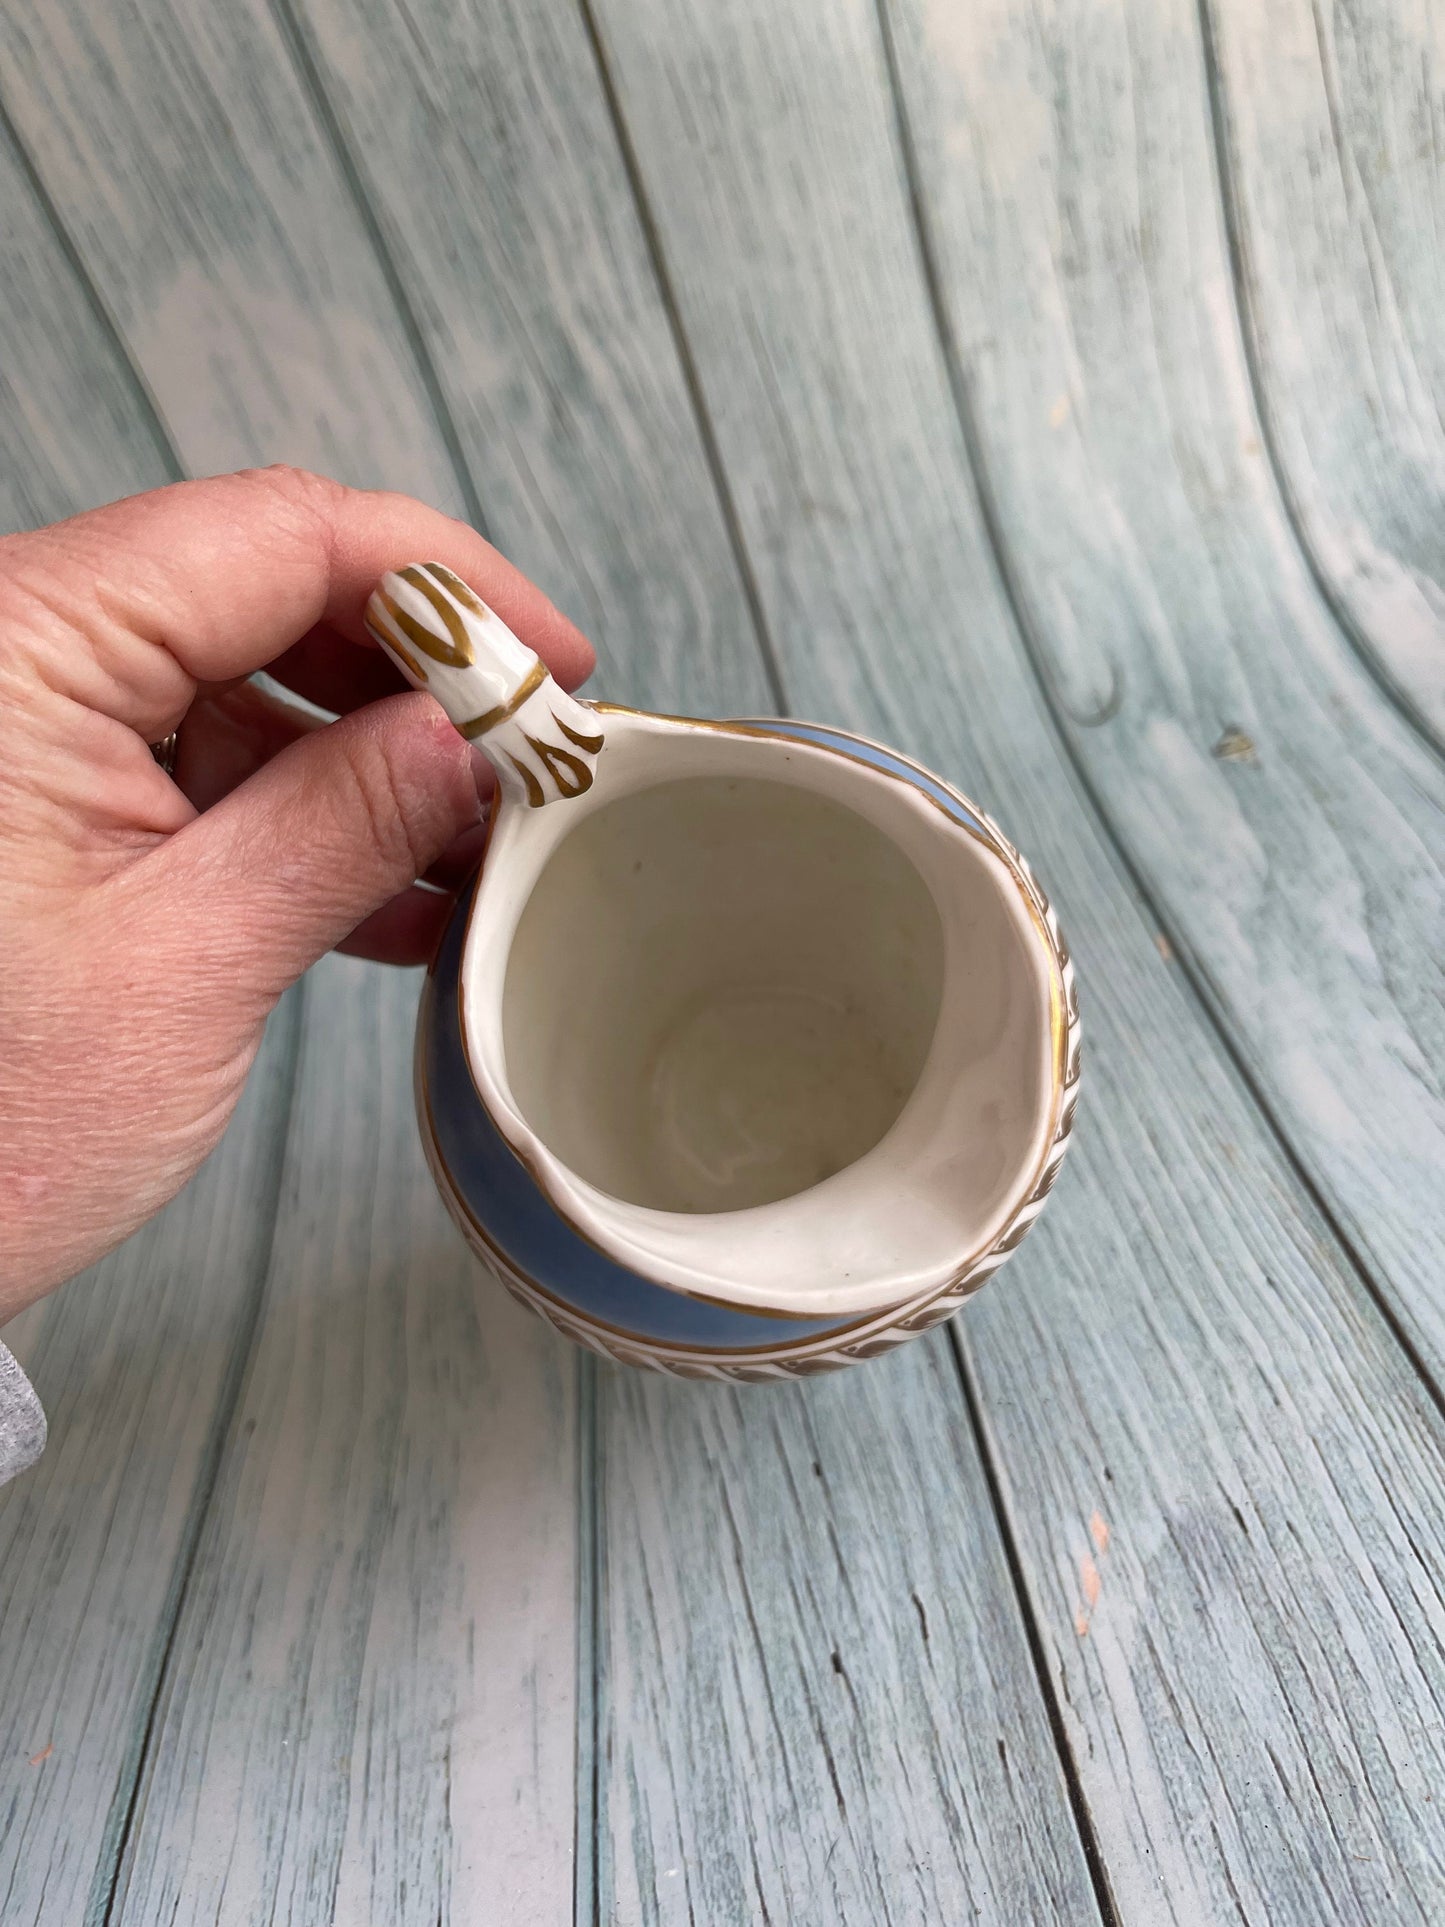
(22, 1423)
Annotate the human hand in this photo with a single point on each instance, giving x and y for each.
(149, 925)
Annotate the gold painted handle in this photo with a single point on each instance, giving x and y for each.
(542, 742)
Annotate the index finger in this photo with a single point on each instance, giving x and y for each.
(209, 580)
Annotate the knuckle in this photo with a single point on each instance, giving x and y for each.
(41, 609)
(301, 500)
(289, 479)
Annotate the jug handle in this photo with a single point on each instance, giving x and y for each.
(444, 639)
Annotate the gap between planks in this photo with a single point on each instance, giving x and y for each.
(1226, 187)
(589, 1781)
(702, 415)
(328, 119)
(123, 1807)
(1078, 1799)
(1194, 973)
(591, 1580)
(165, 448)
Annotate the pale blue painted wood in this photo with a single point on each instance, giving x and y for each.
(803, 1682)
(217, 227)
(75, 428)
(574, 373)
(179, 152)
(369, 1710)
(137, 1363)
(481, 138)
(1333, 125)
(1170, 610)
(1222, 1472)
(813, 1700)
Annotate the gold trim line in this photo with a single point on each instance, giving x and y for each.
(529, 685)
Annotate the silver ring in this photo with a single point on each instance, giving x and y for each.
(165, 751)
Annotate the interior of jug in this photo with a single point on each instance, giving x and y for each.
(766, 1024)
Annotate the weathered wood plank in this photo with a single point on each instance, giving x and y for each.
(816, 1706)
(692, 606)
(483, 139)
(1289, 823)
(369, 1711)
(1201, 1419)
(1346, 1395)
(546, 176)
(183, 207)
(179, 150)
(698, 598)
(74, 427)
(1333, 120)
(133, 1361)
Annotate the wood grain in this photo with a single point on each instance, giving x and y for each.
(618, 453)
(1221, 1475)
(75, 429)
(1289, 824)
(1333, 120)
(1183, 1351)
(482, 136)
(219, 226)
(133, 1362)
(368, 1712)
(816, 1705)
(179, 150)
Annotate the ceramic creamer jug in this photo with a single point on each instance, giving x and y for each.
(753, 1048)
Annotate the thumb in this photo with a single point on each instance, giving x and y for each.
(278, 872)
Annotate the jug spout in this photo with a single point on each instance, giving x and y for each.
(542, 742)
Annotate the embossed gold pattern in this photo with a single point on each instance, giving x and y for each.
(461, 652)
(434, 620)
(571, 775)
(392, 640)
(439, 648)
(468, 597)
(488, 720)
(590, 743)
(535, 794)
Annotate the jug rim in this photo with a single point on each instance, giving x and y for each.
(567, 1194)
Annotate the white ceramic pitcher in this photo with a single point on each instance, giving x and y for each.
(754, 1048)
